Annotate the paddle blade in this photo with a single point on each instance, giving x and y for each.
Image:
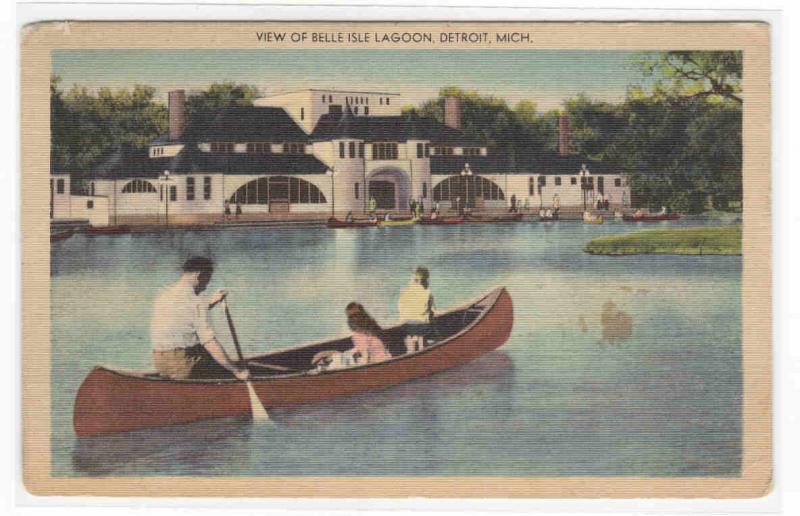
(256, 408)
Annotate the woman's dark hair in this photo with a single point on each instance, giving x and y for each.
(198, 264)
(423, 275)
(360, 321)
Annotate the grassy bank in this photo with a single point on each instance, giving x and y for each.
(717, 240)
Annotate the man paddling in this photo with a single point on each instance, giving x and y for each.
(184, 343)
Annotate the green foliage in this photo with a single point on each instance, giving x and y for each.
(201, 106)
(715, 240)
(715, 75)
(86, 125)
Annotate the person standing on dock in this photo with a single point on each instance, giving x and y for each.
(183, 340)
(238, 210)
(372, 204)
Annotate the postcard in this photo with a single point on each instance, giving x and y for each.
(386, 260)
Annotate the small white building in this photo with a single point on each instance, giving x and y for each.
(325, 151)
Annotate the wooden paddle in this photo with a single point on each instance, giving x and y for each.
(256, 408)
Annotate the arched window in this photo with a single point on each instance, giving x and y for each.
(278, 188)
(467, 187)
(139, 186)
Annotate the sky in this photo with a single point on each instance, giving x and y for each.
(544, 77)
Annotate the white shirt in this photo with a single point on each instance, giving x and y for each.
(180, 319)
(415, 303)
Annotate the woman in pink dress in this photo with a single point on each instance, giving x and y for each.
(366, 335)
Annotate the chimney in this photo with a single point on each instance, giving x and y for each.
(563, 135)
(177, 114)
(452, 112)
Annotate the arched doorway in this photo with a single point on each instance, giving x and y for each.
(390, 187)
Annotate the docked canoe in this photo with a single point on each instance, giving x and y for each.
(336, 223)
(398, 222)
(501, 217)
(112, 400)
(593, 219)
(107, 230)
(441, 221)
(61, 235)
(651, 218)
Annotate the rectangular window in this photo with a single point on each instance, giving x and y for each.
(573, 180)
(341, 150)
(427, 150)
(531, 188)
(558, 181)
(424, 190)
(366, 110)
(89, 205)
(542, 181)
(223, 147)
(355, 190)
(60, 186)
(161, 193)
(330, 98)
(617, 182)
(443, 150)
(355, 110)
(207, 187)
(360, 150)
(189, 188)
(384, 151)
(259, 148)
(387, 101)
(323, 99)
(381, 99)
(420, 150)
(294, 148)
(472, 151)
(173, 193)
(352, 148)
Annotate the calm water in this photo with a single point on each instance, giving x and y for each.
(557, 399)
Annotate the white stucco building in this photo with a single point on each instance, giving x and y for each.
(313, 151)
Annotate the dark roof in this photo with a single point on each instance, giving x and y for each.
(124, 161)
(387, 128)
(550, 164)
(127, 163)
(241, 124)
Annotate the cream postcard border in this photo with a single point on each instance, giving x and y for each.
(39, 40)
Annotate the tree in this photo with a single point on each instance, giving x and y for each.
(85, 126)
(694, 74)
(200, 106)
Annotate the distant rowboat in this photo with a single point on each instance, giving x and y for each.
(398, 222)
(441, 221)
(651, 218)
(107, 230)
(61, 235)
(592, 219)
(498, 217)
(112, 400)
(336, 223)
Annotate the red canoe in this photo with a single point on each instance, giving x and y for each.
(651, 218)
(441, 221)
(112, 400)
(107, 230)
(501, 217)
(336, 223)
(62, 235)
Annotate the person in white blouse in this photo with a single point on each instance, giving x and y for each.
(183, 339)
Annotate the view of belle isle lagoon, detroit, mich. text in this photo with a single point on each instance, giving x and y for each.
(393, 37)
(401, 258)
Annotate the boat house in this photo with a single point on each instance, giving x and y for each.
(327, 151)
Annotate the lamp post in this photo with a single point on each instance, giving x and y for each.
(466, 173)
(165, 180)
(584, 183)
(331, 172)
